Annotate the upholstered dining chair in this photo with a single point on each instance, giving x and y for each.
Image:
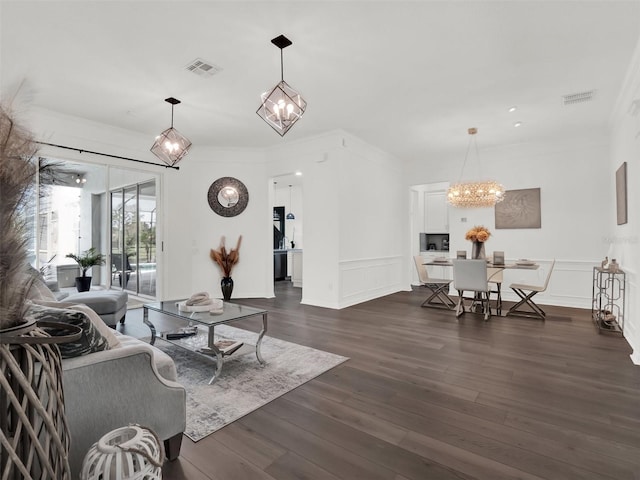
(471, 276)
(495, 277)
(439, 287)
(526, 293)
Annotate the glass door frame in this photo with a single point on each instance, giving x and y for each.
(123, 269)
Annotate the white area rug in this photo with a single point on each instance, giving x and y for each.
(244, 385)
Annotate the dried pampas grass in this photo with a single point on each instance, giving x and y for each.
(226, 260)
(17, 174)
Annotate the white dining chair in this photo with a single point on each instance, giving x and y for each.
(439, 287)
(495, 278)
(471, 276)
(526, 293)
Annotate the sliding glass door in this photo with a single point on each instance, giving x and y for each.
(133, 238)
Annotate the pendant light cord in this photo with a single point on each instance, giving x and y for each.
(472, 136)
(466, 156)
(281, 65)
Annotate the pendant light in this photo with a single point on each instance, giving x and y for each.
(282, 106)
(276, 215)
(290, 215)
(475, 193)
(171, 146)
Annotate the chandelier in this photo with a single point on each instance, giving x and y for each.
(171, 146)
(474, 194)
(282, 106)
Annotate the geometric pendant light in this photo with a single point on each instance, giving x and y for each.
(475, 193)
(282, 106)
(290, 215)
(170, 146)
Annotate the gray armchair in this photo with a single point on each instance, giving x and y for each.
(113, 388)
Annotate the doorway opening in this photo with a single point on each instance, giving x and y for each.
(287, 231)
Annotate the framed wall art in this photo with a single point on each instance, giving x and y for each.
(519, 209)
(621, 194)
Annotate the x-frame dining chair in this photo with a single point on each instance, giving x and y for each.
(526, 293)
(439, 287)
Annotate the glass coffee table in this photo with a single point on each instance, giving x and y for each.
(207, 346)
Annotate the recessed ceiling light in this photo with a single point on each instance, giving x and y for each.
(517, 124)
(512, 109)
(298, 174)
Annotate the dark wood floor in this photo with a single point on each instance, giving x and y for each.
(426, 396)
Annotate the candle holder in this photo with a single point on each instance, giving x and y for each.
(133, 453)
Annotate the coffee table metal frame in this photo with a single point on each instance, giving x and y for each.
(231, 312)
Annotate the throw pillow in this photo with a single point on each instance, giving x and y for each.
(91, 339)
(103, 328)
(39, 289)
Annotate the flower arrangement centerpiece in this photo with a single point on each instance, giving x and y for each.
(478, 235)
(226, 260)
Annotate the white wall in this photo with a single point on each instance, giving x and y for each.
(374, 216)
(576, 199)
(625, 147)
(194, 228)
(317, 159)
(355, 218)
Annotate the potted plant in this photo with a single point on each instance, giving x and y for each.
(86, 260)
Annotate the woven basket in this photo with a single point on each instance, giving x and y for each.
(34, 436)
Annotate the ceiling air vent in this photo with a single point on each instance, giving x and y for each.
(581, 97)
(203, 68)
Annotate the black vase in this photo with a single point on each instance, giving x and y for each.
(226, 284)
(83, 284)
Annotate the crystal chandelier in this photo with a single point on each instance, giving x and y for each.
(474, 194)
(282, 106)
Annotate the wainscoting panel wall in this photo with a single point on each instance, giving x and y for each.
(366, 279)
(570, 284)
(632, 321)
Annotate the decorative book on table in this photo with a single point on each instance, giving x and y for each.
(228, 346)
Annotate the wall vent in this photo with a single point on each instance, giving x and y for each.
(580, 97)
(203, 68)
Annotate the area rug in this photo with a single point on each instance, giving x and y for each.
(243, 385)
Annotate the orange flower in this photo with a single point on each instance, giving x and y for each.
(482, 236)
(478, 234)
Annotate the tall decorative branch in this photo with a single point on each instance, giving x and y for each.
(17, 174)
(226, 260)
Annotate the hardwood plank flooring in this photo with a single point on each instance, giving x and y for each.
(427, 396)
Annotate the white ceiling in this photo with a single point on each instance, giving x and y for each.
(408, 77)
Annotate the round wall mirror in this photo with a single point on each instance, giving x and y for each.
(228, 197)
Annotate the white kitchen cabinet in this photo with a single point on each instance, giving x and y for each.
(436, 212)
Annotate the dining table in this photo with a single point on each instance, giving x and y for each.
(518, 264)
(522, 264)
